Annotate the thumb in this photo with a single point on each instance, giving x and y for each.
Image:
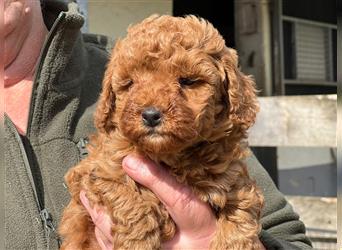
(189, 213)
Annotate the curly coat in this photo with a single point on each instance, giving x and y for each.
(180, 66)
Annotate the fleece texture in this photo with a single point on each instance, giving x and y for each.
(67, 85)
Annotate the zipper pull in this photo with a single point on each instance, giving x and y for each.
(47, 221)
(49, 227)
(82, 147)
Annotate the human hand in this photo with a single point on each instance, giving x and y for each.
(196, 223)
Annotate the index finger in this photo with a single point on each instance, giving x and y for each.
(100, 218)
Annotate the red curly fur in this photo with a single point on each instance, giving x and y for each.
(200, 141)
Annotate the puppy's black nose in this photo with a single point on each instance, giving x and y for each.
(151, 117)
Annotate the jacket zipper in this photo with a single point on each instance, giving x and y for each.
(45, 216)
(43, 212)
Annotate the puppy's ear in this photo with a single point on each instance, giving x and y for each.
(240, 92)
(106, 104)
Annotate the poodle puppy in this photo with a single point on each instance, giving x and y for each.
(172, 92)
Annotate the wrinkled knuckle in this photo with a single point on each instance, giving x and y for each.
(183, 199)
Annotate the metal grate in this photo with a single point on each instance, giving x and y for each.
(308, 52)
(311, 52)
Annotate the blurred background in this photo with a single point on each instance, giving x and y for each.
(289, 47)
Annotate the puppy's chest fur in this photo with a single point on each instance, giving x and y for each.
(209, 168)
(139, 219)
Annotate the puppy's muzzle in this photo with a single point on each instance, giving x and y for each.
(151, 117)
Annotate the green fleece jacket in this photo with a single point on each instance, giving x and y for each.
(66, 86)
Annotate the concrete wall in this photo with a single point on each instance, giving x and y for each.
(112, 17)
(308, 171)
(298, 157)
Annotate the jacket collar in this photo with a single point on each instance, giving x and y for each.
(61, 65)
(62, 58)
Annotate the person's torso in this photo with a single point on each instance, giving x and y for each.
(66, 88)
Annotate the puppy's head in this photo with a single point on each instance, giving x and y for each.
(171, 83)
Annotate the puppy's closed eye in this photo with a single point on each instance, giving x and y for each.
(124, 84)
(184, 81)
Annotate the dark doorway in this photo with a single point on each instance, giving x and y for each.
(220, 14)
